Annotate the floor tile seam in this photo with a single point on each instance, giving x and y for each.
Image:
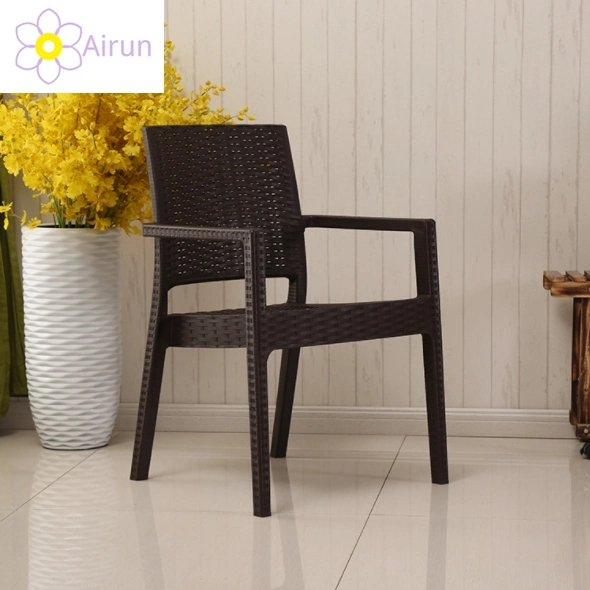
(494, 460)
(12, 511)
(229, 513)
(68, 471)
(523, 455)
(321, 513)
(291, 458)
(243, 514)
(139, 511)
(369, 515)
(480, 518)
(347, 460)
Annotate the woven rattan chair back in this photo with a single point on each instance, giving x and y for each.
(225, 176)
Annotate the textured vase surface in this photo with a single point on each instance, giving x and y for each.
(72, 334)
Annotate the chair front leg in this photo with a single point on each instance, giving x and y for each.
(259, 438)
(257, 351)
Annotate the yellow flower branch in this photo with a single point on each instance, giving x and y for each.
(85, 152)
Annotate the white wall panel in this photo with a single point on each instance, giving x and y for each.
(341, 172)
(477, 206)
(534, 302)
(423, 145)
(563, 171)
(369, 188)
(583, 260)
(397, 276)
(450, 184)
(507, 93)
(287, 109)
(313, 181)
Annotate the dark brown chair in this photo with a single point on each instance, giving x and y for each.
(226, 207)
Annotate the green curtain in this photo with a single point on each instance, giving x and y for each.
(12, 350)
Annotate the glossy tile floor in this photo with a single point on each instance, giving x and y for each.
(350, 512)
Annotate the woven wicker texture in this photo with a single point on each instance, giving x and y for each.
(242, 178)
(226, 207)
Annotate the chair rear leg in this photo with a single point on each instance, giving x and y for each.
(285, 396)
(435, 407)
(148, 408)
(259, 438)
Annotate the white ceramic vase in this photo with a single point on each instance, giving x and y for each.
(72, 334)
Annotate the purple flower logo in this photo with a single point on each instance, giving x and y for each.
(48, 46)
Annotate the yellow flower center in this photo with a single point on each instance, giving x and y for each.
(54, 40)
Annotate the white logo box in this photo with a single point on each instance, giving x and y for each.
(72, 46)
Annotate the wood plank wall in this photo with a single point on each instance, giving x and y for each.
(474, 113)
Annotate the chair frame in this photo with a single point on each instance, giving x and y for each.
(268, 328)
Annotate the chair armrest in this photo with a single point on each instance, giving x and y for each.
(371, 223)
(188, 232)
(425, 247)
(254, 258)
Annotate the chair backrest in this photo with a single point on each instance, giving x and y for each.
(225, 176)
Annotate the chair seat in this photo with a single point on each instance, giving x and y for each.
(292, 325)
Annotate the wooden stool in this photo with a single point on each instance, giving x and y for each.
(577, 285)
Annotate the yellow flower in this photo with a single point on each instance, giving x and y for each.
(6, 209)
(34, 222)
(85, 154)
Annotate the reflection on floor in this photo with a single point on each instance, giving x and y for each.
(349, 512)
